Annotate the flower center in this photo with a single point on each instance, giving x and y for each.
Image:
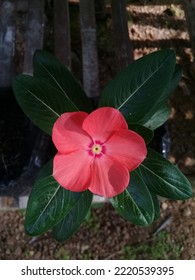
(96, 149)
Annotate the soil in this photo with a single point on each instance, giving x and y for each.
(105, 235)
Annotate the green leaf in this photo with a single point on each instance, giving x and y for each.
(163, 178)
(135, 204)
(146, 133)
(156, 206)
(40, 101)
(158, 118)
(160, 112)
(48, 68)
(138, 87)
(154, 199)
(70, 224)
(48, 203)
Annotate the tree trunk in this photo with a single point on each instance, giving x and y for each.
(62, 46)
(124, 49)
(89, 48)
(34, 32)
(189, 7)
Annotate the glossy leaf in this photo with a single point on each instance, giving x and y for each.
(156, 206)
(146, 133)
(160, 112)
(70, 224)
(154, 199)
(138, 87)
(48, 203)
(163, 178)
(40, 101)
(135, 204)
(158, 118)
(48, 68)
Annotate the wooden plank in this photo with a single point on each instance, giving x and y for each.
(89, 48)
(7, 39)
(62, 48)
(124, 49)
(189, 7)
(34, 32)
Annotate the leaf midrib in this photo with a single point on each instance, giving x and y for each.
(50, 74)
(153, 73)
(46, 206)
(41, 101)
(161, 179)
(135, 204)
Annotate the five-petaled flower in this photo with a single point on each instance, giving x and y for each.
(96, 151)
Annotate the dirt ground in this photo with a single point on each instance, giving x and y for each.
(105, 235)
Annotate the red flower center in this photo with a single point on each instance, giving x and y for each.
(96, 149)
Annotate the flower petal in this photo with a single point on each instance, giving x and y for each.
(67, 133)
(126, 147)
(101, 123)
(109, 178)
(73, 171)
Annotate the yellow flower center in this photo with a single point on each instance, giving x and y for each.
(96, 149)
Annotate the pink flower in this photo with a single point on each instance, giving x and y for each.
(96, 151)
